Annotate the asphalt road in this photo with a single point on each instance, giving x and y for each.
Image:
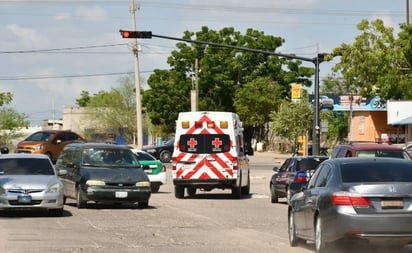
(210, 222)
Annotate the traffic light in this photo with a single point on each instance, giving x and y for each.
(136, 34)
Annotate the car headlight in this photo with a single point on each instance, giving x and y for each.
(39, 147)
(143, 184)
(54, 188)
(95, 183)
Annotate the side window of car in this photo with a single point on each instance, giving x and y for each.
(314, 177)
(341, 153)
(285, 165)
(323, 176)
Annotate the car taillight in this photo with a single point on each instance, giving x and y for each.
(235, 164)
(301, 179)
(164, 168)
(344, 198)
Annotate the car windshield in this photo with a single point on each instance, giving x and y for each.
(25, 166)
(309, 163)
(145, 156)
(40, 136)
(376, 172)
(380, 153)
(109, 157)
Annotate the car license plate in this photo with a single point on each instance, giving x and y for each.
(148, 171)
(121, 195)
(392, 204)
(24, 198)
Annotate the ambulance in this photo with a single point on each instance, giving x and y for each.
(209, 153)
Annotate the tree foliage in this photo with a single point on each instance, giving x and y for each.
(375, 63)
(292, 120)
(226, 75)
(10, 121)
(115, 110)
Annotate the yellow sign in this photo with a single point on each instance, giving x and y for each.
(296, 91)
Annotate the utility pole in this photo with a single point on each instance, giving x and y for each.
(135, 50)
(407, 12)
(195, 88)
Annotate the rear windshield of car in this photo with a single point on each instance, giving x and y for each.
(380, 153)
(25, 166)
(376, 172)
(309, 163)
(204, 143)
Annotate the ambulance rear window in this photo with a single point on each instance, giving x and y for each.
(204, 143)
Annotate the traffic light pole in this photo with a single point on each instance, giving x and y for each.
(137, 81)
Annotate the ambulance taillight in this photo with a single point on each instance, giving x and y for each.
(235, 164)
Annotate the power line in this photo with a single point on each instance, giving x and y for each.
(18, 78)
(58, 49)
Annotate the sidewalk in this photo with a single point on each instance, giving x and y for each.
(268, 157)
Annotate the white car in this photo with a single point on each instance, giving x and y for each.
(326, 102)
(29, 182)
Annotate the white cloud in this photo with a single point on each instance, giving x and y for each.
(91, 14)
(26, 35)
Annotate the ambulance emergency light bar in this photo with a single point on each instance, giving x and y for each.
(209, 124)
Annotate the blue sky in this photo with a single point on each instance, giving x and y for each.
(51, 50)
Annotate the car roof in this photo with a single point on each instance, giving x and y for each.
(370, 146)
(367, 160)
(98, 145)
(23, 155)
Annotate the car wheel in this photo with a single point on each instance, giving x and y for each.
(80, 202)
(293, 239)
(246, 189)
(274, 196)
(142, 205)
(320, 244)
(288, 195)
(191, 191)
(179, 191)
(237, 192)
(165, 156)
(155, 187)
(64, 200)
(57, 212)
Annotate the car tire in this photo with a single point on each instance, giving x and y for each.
(179, 191)
(57, 212)
(320, 245)
(165, 156)
(191, 191)
(80, 202)
(293, 239)
(274, 197)
(143, 204)
(155, 187)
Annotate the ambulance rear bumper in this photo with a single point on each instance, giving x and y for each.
(206, 183)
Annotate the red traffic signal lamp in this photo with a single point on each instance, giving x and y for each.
(136, 34)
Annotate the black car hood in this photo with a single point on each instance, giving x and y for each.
(115, 175)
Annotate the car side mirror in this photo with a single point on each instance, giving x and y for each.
(276, 169)
(146, 167)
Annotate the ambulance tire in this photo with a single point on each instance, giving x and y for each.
(237, 192)
(246, 189)
(191, 191)
(179, 191)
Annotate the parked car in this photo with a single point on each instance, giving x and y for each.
(48, 142)
(369, 150)
(354, 199)
(162, 152)
(294, 169)
(154, 168)
(29, 182)
(408, 148)
(103, 173)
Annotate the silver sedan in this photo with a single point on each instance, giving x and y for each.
(354, 199)
(28, 182)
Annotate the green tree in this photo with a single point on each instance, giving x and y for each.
(292, 120)
(10, 121)
(84, 99)
(223, 71)
(254, 106)
(115, 111)
(374, 63)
